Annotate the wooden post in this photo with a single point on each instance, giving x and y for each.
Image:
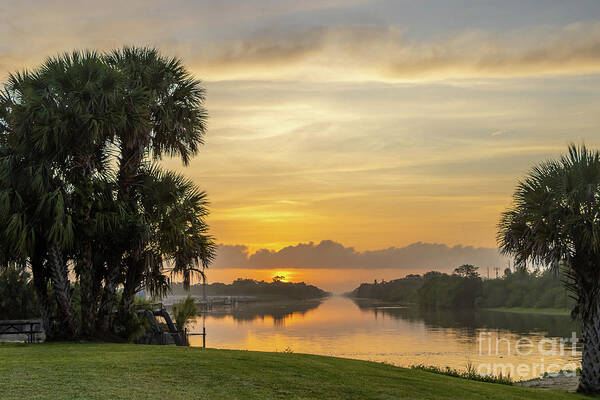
(206, 310)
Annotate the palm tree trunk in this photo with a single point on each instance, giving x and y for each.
(62, 290)
(590, 360)
(129, 169)
(40, 283)
(107, 303)
(86, 281)
(85, 267)
(130, 286)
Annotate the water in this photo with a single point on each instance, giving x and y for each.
(404, 336)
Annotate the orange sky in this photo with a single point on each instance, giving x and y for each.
(334, 280)
(372, 123)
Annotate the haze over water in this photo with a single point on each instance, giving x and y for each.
(402, 336)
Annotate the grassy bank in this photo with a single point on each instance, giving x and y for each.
(531, 310)
(121, 371)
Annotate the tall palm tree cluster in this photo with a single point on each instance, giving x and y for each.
(83, 202)
(555, 221)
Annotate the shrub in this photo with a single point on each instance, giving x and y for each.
(184, 311)
(17, 295)
(469, 373)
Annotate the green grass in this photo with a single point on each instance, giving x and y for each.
(121, 371)
(531, 310)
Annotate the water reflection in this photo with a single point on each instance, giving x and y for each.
(277, 312)
(399, 335)
(471, 321)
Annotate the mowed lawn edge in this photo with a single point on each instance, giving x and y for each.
(125, 371)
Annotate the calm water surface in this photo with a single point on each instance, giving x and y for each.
(402, 336)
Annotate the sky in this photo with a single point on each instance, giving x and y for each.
(360, 139)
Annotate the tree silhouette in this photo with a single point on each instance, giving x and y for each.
(555, 222)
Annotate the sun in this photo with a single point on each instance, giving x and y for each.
(281, 276)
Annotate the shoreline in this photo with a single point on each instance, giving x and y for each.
(530, 310)
(515, 310)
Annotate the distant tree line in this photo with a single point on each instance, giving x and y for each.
(460, 289)
(466, 289)
(402, 290)
(250, 287)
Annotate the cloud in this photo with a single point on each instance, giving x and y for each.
(385, 54)
(262, 50)
(499, 132)
(332, 255)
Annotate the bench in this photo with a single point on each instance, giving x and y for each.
(29, 327)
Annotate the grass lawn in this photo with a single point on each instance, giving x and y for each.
(121, 371)
(531, 310)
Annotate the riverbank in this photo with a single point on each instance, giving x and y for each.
(531, 310)
(566, 382)
(518, 310)
(61, 371)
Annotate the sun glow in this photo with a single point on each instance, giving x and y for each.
(282, 276)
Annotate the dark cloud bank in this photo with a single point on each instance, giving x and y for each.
(331, 255)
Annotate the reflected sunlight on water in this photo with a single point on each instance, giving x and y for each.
(402, 336)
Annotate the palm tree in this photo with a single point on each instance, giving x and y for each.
(555, 221)
(164, 116)
(70, 110)
(184, 311)
(174, 212)
(35, 225)
(35, 231)
(78, 191)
